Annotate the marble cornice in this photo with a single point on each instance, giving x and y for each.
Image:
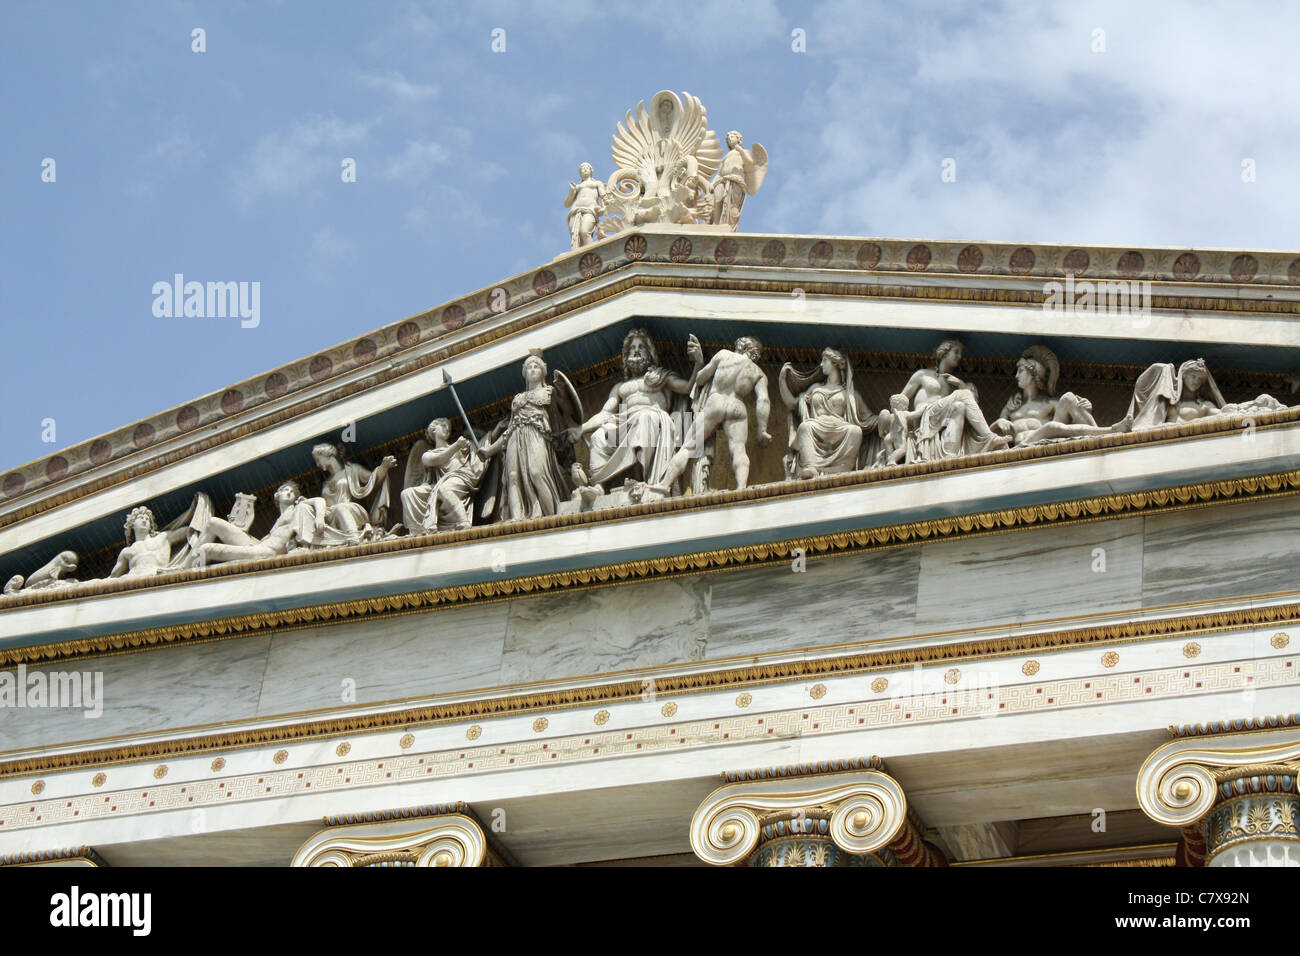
(1000, 520)
(736, 262)
(722, 675)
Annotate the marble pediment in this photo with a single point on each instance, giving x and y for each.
(881, 305)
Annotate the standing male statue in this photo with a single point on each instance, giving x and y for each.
(721, 389)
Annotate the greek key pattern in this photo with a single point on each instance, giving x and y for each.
(750, 726)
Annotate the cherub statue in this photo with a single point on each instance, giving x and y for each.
(586, 204)
(895, 433)
(721, 388)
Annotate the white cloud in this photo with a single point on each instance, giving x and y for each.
(399, 87)
(178, 149)
(329, 251)
(308, 153)
(416, 162)
(1141, 144)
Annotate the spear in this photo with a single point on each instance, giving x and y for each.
(469, 429)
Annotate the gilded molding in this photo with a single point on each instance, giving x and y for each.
(754, 555)
(1236, 725)
(804, 769)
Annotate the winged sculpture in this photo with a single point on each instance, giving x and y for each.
(669, 167)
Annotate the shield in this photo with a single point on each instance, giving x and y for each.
(757, 171)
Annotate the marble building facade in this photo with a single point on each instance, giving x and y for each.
(1029, 601)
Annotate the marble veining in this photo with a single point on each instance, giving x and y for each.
(1209, 553)
(409, 655)
(836, 600)
(1040, 574)
(607, 629)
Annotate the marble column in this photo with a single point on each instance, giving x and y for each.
(1232, 789)
(435, 835)
(843, 815)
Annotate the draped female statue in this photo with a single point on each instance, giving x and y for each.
(947, 419)
(340, 517)
(827, 418)
(1161, 396)
(530, 480)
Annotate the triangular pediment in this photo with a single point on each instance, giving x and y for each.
(884, 304)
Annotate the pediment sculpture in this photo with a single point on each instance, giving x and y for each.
(653, 438)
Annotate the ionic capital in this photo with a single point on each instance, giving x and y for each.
(443, 835)
(1228, 789)
(801, 817)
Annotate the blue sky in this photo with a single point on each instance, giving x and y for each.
(225, 165)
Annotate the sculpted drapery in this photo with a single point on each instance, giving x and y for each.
(826, 417)
(525, 466)
(1163, 396)
(530, 481)
(337, 516)
(636, 431)
(945, 415)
